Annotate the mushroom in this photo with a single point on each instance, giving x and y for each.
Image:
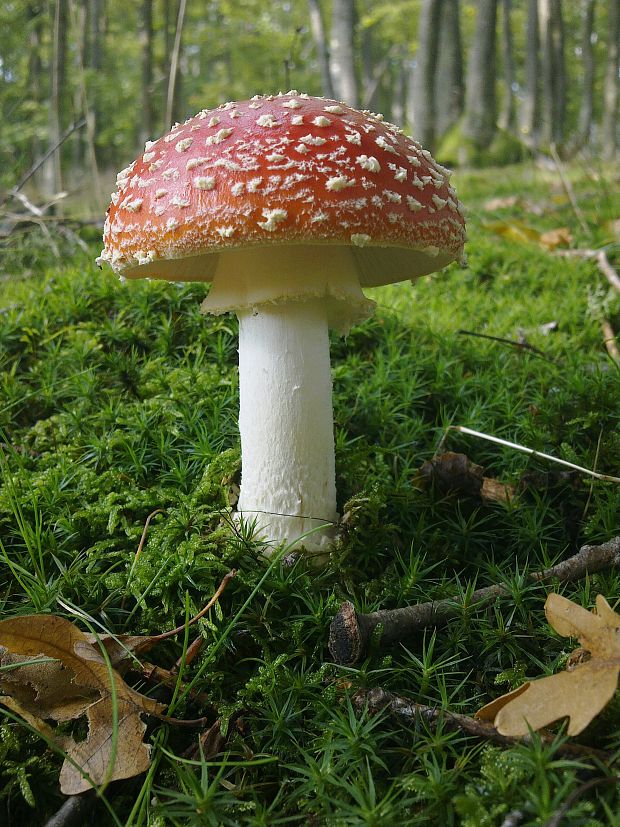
(288, 205)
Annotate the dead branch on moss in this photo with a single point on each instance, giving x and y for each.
(378, 700)
(350, 631)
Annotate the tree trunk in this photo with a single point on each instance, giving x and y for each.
(449, 89)
(586, 109)
(480, 103)
(342, 51)
(530, 112)
(146, 43)
(507, 116)
(610, 88)
(399, 91)
(317, 28)
(424, 108)
(53, 169)
(553, 71)
(35, 66)
(369, 82)
(172, 95)
(98, 24)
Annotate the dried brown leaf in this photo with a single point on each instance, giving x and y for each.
(456, 473)
(579, 693)
(495, 491)
(451, 472)
(79, 681)
(515, 231)
(122, 649)
(559, 237)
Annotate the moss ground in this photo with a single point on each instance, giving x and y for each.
(116, 402)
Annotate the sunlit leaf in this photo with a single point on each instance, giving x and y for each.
(580, 692)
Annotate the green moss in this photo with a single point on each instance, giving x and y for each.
(119, 406)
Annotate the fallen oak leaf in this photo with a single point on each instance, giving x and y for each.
(453, 472)
(559, 237)
(515, 231)
(580, 692)
(113, 748)
(123, 649)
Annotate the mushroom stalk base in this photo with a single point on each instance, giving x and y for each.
(286, 423)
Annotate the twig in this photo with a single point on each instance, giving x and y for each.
(568, 189)
(73, 812)
(525, 450)
(66, 134)
(607, 270)
(522, 345)
(610, 341)
(216, 596)
(578, 252)
(556, 818)
(601, 259)
(194, 648)
(170, 679)
(376, 700)
(140, 547)
(350, 631)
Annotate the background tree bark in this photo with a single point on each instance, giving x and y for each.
(553, 71)
(35, 66)
(146, 43)
(507, 115)
(319, 36)
(399, 91)
(449, 87)
(172, 94)
(370, 88)
(586, 108)
(424, 105)
(342, 51)
(530, 112)
(58, 70)
(480, 101)
(610, 87)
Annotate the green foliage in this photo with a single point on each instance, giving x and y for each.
(455, 149)
(121, 401)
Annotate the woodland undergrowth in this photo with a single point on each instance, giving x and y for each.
(119, 402)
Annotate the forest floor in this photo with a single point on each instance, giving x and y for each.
(118, 410)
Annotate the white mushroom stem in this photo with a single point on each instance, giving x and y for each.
(286, 422)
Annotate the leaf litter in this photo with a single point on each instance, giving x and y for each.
(78, 681)
(581, 691)
(50, 670)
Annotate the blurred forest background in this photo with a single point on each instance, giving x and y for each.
(478, 82)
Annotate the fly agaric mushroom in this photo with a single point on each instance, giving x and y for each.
(288, 205)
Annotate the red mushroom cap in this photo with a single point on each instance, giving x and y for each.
(290, 169)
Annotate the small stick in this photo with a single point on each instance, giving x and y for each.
(376, 700)
(225, 581)
(556, 818)
(195, 647)
(522, 345)
(170, 679)
(577, 252)
(140, 547)
(610, 341)
(350, 631)
(607, 270)
(73, 813)
(525, 450)
(568, 189)
(66, 134)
